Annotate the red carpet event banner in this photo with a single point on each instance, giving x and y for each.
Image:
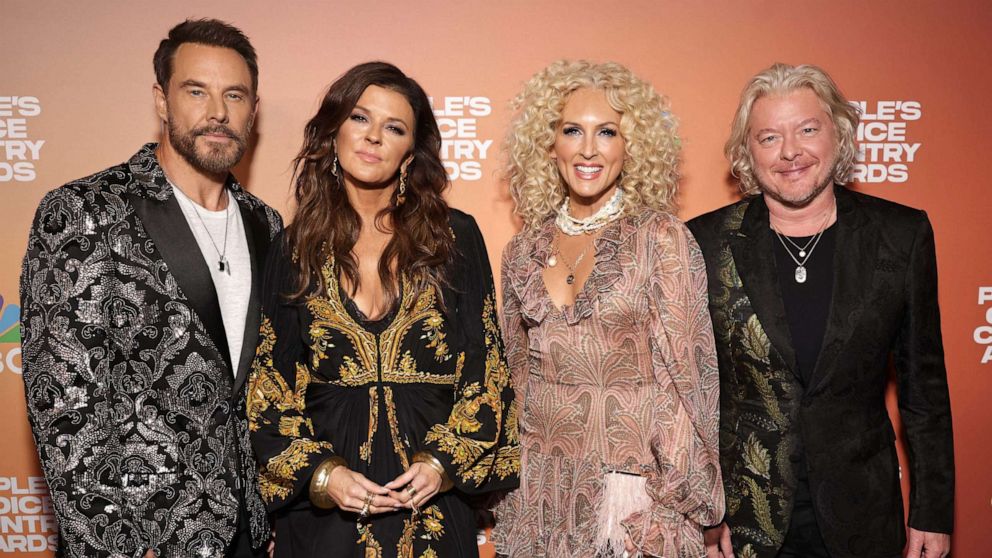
(76, 97)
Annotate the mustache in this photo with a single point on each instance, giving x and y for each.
(217, 129)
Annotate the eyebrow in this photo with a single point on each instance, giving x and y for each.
(600, 125)
(813, 120)
(194, 83)
(388, 119)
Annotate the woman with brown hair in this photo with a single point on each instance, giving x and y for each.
(379, 393)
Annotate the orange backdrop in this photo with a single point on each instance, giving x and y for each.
(75, 97)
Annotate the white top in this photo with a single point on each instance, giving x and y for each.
(233, 284)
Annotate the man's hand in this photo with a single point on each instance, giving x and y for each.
(924, 544)
(149, 554)
(717, 541)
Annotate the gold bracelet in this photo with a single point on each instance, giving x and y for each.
(427, 458)
(321, 477)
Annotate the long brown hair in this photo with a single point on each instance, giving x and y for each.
(326, 225)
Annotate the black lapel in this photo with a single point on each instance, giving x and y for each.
(854, 266)
(165, 223)
(256, 231)
(755, 261)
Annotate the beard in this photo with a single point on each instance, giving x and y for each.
(801, 199)
(214, 159)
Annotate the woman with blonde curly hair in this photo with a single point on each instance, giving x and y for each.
(607, 331)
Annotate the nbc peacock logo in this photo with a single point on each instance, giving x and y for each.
(10, 332)
(10, 322)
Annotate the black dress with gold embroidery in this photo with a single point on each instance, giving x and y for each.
(327, 382)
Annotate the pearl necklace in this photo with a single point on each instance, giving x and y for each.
(574, 227)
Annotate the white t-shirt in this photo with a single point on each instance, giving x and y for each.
(233, 284)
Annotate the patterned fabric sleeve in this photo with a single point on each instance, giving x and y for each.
(67, 292)
(282, 431)
(478, 445)
(686, 486)
(514, 336)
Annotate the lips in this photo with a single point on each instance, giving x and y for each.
(217, 133)
(588, 172)
(794, 171)
(368, 157)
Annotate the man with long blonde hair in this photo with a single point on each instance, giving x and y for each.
(813, 287)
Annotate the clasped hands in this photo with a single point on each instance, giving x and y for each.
(354, 492)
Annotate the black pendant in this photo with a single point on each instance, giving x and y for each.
(570, 279)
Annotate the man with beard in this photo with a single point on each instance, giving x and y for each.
(140, 306)
(813, 288)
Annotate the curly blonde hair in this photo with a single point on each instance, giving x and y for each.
(649, 178)
(780, 79)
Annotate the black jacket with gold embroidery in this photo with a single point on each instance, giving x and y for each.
(884, 304)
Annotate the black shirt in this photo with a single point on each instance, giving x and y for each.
(807, 304)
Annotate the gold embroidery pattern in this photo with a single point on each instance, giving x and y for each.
(365, 451)
(266, 389)
(383, 359)
(276, 478)
(404, 547)
(372, 547)
(394, 428)
(433, 521)
(465, 452)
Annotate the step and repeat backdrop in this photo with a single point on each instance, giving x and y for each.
(76, 97)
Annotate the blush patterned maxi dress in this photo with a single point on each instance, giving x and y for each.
(619, 397)
(328, 382)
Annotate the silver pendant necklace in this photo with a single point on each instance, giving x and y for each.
(806, 251)
(222, 263)
(800, 273)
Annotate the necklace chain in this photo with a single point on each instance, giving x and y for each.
(556, 251)
(800, 273)
(222, 263)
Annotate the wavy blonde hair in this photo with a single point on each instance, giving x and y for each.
(649, 178)
(781, 79)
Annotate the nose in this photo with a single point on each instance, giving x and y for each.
(373, 135)
(589, 149)
(218, 109)
(791, 148)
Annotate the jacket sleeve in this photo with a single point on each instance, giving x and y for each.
(67, 298)
(478, 445)
(282, 431)
(924, 404)
(686, 485)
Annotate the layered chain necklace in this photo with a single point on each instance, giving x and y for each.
(805, 251)
(573, 227)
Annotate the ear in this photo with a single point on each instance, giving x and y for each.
(161, 103)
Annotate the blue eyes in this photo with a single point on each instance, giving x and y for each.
(575, 131)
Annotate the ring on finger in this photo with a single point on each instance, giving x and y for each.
(411, 491)
(366, 505)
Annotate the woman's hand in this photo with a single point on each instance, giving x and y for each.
(350, 490)
(417, 485)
